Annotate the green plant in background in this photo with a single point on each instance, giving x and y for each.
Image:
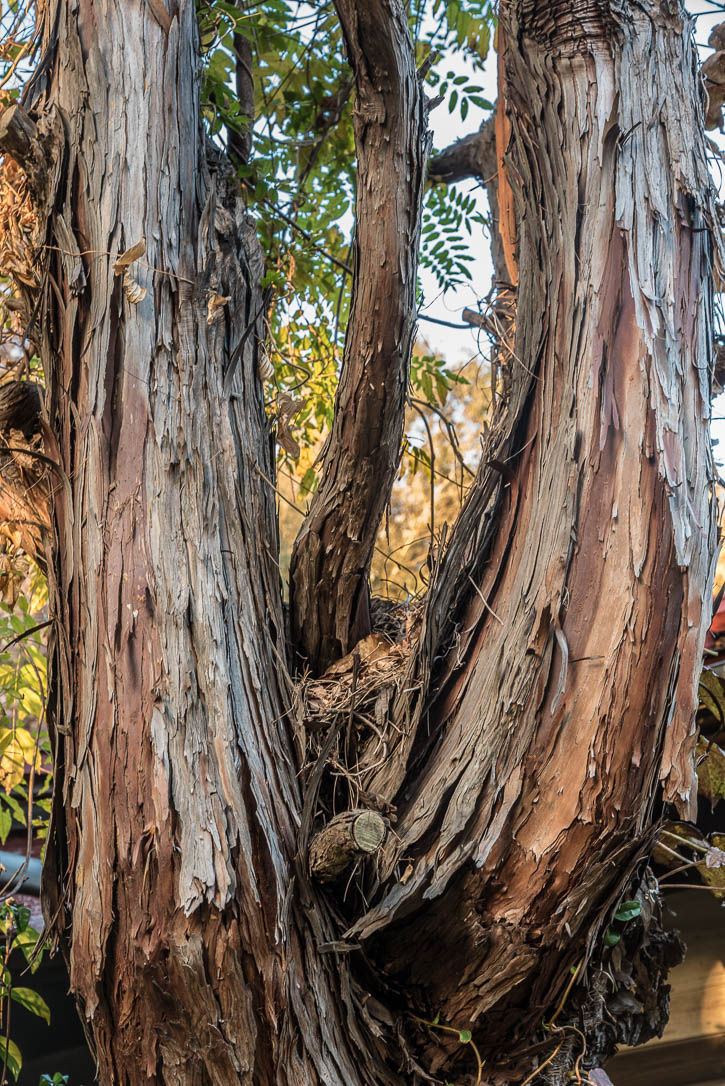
(300, 185)
(24, 746)
(16, 934)
(25, 776)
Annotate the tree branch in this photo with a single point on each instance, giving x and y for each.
(240, 143)
(331, 558)
(472, 156)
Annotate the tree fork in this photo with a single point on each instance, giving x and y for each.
(535, 730)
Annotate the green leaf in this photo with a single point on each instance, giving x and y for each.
(465, 1036)
(628, 910)
(611, 937)
(6, 822)
(26, 941)
(22, 916)
(32, 1001)
(10, 1054)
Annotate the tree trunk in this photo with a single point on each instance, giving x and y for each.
(551, 690)
(567, 690)
(171, 862)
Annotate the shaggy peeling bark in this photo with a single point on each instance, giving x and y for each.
(329, 592)
(170, 870)
(24, 470)
(550, 693)
(525, 780)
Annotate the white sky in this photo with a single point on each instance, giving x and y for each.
(458, 346)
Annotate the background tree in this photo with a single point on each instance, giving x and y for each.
(513, 739)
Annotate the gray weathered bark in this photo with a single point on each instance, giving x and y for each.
(172, 854)
(567, 688)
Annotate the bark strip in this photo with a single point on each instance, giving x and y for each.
(329, 570)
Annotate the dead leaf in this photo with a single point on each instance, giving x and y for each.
(714, 876)
(599, 1077)
(710, 770)
(286, 438)
(715, 857)
(265, 369)
(712, 694)
(287, 405)
(215, 306)
(370, 649)
(129, 256)
(684, 835)
(133, 290)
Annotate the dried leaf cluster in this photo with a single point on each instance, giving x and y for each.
(133, 290)
(354, 697)
(17, 224)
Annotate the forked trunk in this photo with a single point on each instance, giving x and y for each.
(552, 690)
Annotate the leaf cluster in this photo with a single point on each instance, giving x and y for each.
(17, 934)
(300, 182)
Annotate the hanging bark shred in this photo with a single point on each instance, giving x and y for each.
(329, 593)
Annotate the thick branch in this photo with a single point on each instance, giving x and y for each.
(474, 156)
(329, 570)
(713, 74)
(240, 143)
